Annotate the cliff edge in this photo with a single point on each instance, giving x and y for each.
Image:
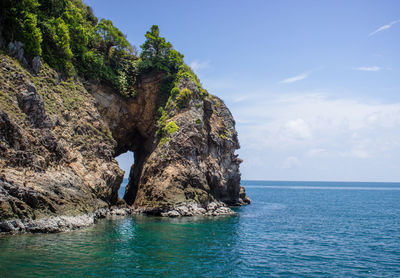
(59, 139)
(75, 94)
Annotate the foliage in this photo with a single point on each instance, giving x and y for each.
(71, 39)
(183, 98)
(111, 37)
(158, 54)
(166, 132)
(174, 92)
(163, 116)
(67, 35)
(19, 22)
(170, 128)
(186, 73)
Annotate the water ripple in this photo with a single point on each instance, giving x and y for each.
(283, 233)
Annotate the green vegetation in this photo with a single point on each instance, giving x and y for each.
(167, 131)
(158, 54)
(20, 22)
(68, 37)
(225, 135)
(186, 73)
(170, 127)
(183, 98)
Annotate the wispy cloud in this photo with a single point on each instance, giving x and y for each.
(373, 68)
(199, 65)
(296, 78)
(384, 27)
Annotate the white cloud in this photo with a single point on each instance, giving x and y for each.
(199, 65)
(297, 129)
(334, 138)
(384, 27)
(373, 68)
(291, 162)
(295, 78)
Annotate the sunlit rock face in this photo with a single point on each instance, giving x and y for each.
(59, 140)
(194, 164)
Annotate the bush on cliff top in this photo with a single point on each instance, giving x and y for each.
(67, 35)
(158, 54)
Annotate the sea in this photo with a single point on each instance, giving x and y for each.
(291, 229)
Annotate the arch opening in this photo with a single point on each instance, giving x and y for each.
(125, 161)
(132, 150)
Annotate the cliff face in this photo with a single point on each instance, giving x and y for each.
(57, 154)
(59, 139)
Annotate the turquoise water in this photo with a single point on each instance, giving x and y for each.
(292, 229)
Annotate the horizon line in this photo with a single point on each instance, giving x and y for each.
(343, 181)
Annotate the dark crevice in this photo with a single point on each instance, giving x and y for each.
(134, 176)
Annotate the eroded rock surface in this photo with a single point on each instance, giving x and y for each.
(58, 141)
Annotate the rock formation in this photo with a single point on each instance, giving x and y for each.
(59, 138)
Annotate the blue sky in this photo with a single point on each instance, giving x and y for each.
(313, 85)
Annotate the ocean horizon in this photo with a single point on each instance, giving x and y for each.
(345, 185)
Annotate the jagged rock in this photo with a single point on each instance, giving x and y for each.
(16, 50)
(194, 209)
(59, 141)
(32, 104)
(243, 198)
(173, 213)
(36, 64)
(10, 135)
(57, 224)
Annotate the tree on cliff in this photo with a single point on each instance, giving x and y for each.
(19, 22)
(111, 37)
(159, 54)
(67, 36)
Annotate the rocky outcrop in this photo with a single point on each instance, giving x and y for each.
(56, 154)
(195, 163)
(57, 224)
(59, 140)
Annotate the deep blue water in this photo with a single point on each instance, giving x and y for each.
(292, 229)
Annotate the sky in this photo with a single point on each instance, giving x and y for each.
(313, 86)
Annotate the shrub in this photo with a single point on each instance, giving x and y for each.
(170, 128)
(185, 72)
(68, 37)
(174, 92)
(167, 131)
(183, 98)
(157, 53)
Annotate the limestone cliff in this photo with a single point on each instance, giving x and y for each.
(59, 138)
